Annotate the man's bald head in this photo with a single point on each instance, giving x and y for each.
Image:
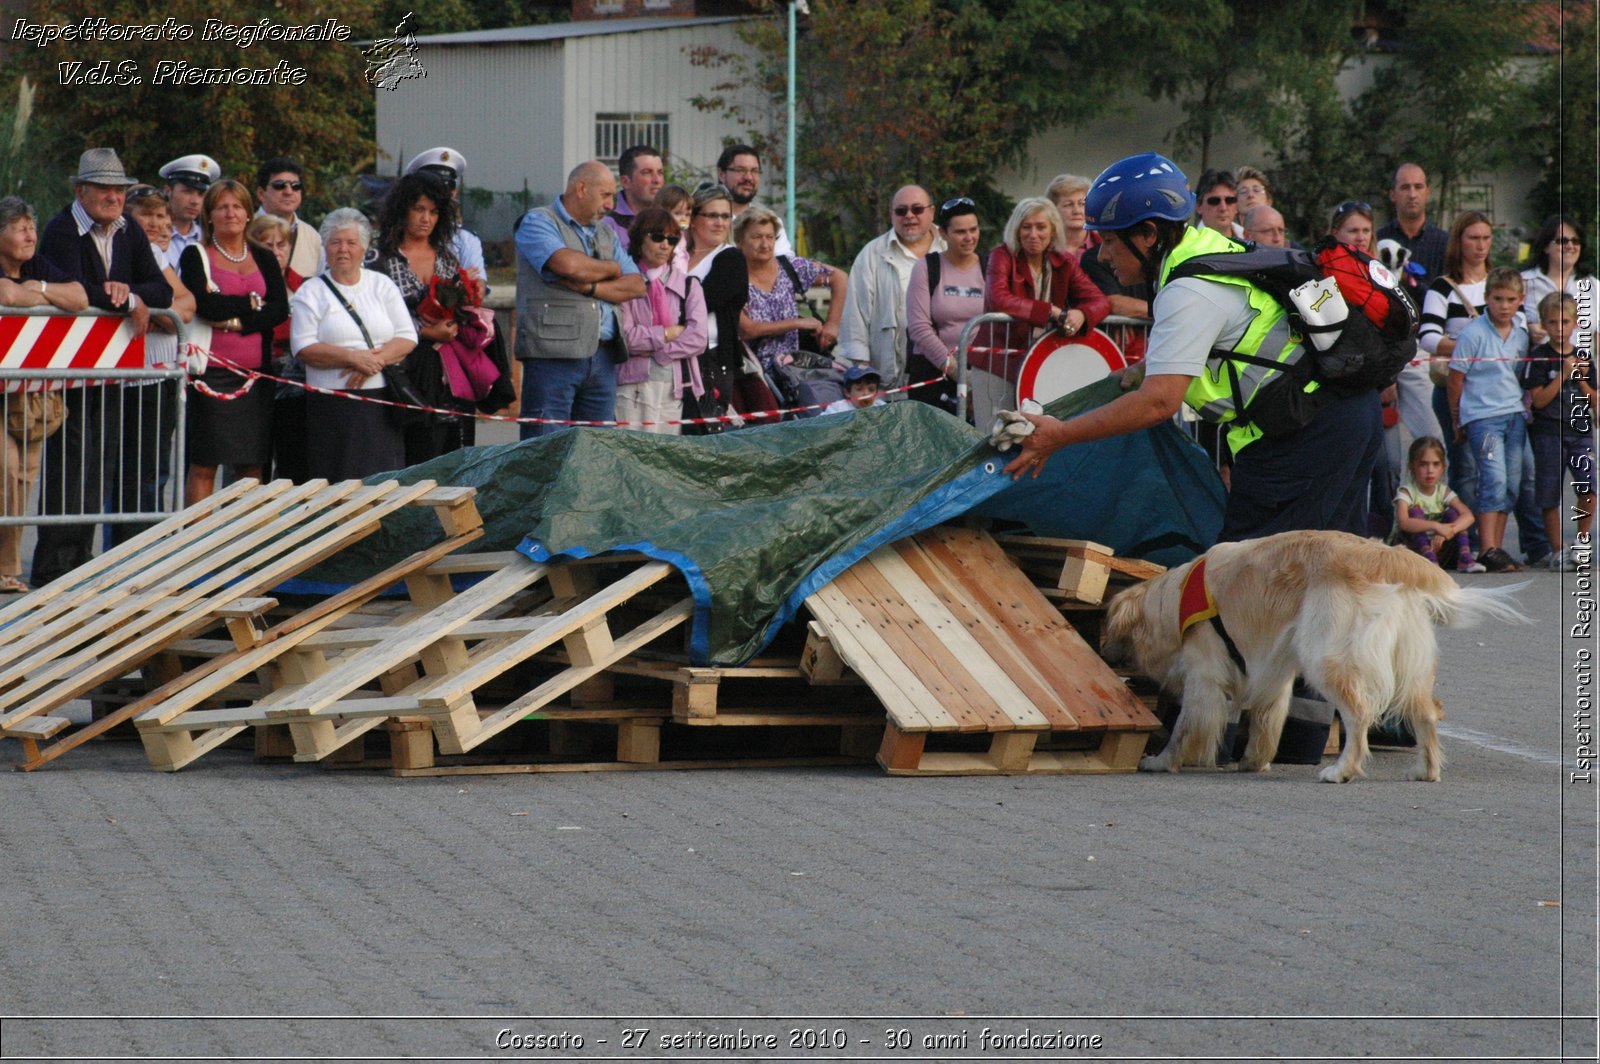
(1264, 225)
(911, 213)
(591, 191)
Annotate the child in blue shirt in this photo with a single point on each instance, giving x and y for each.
(1560, 379)
(1486, 409)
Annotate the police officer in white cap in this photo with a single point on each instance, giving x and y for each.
(187, 180)
(448, 166)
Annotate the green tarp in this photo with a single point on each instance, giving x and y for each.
(758, 519)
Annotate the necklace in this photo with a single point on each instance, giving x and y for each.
(224, 253)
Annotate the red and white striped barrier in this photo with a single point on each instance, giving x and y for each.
(61, 342)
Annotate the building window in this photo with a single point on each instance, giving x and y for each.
(658, 5)
(616, 133)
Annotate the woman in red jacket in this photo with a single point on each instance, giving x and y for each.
(1030, 277)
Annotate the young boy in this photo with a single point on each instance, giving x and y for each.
(1560, 381)
(861, 384)
(1486, 410)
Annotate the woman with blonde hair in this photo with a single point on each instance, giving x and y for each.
(1069, 192)
(1032, 278)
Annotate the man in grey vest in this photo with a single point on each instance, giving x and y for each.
(571, 275)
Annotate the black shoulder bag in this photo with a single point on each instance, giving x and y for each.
(810, 355)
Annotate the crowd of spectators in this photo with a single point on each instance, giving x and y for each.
(675, 310)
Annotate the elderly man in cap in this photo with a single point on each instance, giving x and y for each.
(448, 166)
(92, 242)
(188, 180)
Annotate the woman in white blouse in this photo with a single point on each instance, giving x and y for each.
(346, 325)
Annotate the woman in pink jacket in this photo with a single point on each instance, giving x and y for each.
(665, 329)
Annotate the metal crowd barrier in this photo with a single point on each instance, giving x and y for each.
(118, 457)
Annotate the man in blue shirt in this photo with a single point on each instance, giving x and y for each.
(572, 273)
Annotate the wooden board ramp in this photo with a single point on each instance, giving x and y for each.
(956, 640)
(206, 568)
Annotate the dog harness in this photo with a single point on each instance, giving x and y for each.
(1197, 604)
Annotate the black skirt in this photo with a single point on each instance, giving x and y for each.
(347, 439)
(235, 432)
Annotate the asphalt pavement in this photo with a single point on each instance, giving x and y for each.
(237, 910)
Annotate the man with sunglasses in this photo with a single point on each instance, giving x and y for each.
(1218, 202)
(873, 329)
(188, 178)
(280, 188)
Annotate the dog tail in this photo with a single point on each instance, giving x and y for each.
(1462, 606)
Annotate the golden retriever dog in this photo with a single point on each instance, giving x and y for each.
(1353, 617)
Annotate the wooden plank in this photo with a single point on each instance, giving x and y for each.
(540, 767)
(1017, 705)
(909, 704)
(1092, 692)
(989, 634)
(301, 539)
(160, 705)
(917, 648)
(411, 638)
(486, 562)
(665, 621)
(901, 750)
(788, 719)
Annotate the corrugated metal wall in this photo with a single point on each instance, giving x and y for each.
(527, 111)
(499, 106)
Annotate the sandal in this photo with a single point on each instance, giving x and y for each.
(11, 585)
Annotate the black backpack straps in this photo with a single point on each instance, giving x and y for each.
(801, 295)
(932, 260)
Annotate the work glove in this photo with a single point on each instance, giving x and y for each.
(1010, 428)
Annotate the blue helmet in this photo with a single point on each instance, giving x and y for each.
(1136, 188)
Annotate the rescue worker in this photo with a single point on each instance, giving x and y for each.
(1302, 456)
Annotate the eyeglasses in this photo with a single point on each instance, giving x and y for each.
(959, 201)
(279, 186)
(715, 216)
(744, 171)
(146, 192)
(918, 209)
(1352, 205)
(663, 238)
(1217, 201)
(1565, 240)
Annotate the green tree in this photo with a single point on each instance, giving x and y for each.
(943, 93)
(1453, 98)
(326, 120)
(1563, 130)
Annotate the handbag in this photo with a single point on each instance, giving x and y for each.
(810, 343)
(34, 416)
(395, 378)
(1439, 368)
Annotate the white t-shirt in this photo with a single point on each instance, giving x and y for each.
(317, 317)
(1191, 317)
(841, 406)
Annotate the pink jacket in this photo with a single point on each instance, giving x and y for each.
(646, 340)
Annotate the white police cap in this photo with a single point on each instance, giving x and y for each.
(196, 171)
(444, 162)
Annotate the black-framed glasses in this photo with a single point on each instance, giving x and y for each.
(917, 209)
(279, 186)
(1566, 240)
(663, 238)
(743, 171)
(1217, 201)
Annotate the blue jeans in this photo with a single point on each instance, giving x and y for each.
(1499, 445)
(568, 389)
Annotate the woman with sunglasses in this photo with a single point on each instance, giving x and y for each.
(1033, 279)
(665, 330)
(945, 292)
(1555, 263)
(725, 285)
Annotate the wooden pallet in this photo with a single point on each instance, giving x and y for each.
(429, 662)
(207, 566)
(955, 639)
